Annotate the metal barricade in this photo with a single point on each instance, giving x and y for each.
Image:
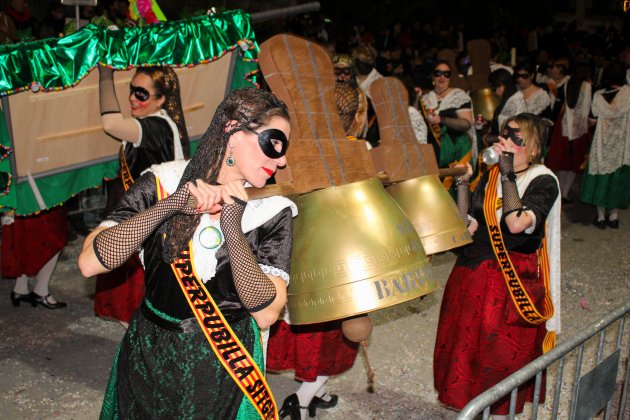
(590, 394)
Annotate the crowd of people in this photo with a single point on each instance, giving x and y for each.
(210, 280)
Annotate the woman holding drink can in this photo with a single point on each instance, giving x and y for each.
(487, 330)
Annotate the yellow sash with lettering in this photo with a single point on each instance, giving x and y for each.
(435, 129)
(521, 299)
(125, 173)
(226, 346)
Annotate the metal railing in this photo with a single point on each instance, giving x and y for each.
(590, 394)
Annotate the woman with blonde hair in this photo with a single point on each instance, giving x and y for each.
(486, 330)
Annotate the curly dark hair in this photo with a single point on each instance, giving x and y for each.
(243, 109)
(166, 84)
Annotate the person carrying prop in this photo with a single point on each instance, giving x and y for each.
(501, 304)
(216, 274)
(156, 133)
(315, 352)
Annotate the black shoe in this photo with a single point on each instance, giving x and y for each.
(43, 300)
(291, 408)
(613, 224)
(600, 224)
(16, 298)
(317, 402)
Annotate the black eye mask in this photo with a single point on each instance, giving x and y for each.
(513, 133)
(267, 139)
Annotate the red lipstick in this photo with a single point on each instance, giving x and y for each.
(269, 171)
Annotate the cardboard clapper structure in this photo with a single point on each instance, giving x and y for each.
(413, 172)
(352, 244)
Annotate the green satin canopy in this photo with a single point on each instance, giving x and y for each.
(59, 63)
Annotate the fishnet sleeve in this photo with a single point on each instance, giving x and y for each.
(113, 246)
(511, 200)
(254, 288)
(107, 92)
(463, 197)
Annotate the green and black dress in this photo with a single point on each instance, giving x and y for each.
(165, 368)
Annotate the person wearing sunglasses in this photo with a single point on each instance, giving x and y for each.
(449, 116)
(528, 98)
(344, 69)
(216, 269)
(514, 218)
(155, 133)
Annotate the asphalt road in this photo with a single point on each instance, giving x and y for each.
(55, 364)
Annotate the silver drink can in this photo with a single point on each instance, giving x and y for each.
(489, 156)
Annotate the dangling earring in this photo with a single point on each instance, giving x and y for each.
(230, 159)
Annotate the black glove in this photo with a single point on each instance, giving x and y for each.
(511, 200)
(113, 246)
(254, 288)
(106, 91)
(463, 196)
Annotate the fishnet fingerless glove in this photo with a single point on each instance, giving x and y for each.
(254, 288)
(115, 245)
(463, 197)
(107, 92)
(511, 200)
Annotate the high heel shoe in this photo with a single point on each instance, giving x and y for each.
(291, 408)
(45, 302)
(317, 402)
(613, 224)
(16, 298)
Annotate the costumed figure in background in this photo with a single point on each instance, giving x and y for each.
(317, 351)
(501, 81)
(607, 181)
(145, 11)
(483, 336)
(216, 274)
(156, 133)
(558, 75)
(352, 108)
(30, 248)
(344, 69)
(570, 139)
(415, 104)
(364, 62)
(449, 115)
(529, 97)
(23, 26)
(31, 245)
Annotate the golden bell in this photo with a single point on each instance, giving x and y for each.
(432, 211)
(484, 102)
(354, 251)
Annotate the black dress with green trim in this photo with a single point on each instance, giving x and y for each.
(161, 373)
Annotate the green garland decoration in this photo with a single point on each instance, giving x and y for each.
(61, 63)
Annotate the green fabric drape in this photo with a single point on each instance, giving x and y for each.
(60, 63)
(57, 63)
